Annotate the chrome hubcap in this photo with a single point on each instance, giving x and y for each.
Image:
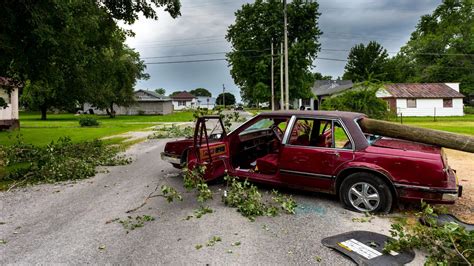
(364, 197)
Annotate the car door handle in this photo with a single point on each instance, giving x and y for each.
(336, 153)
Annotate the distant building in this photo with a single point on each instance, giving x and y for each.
(148, 103)
(423, 99)
(206, 102)
(321, 90)
(184, 100)
(9, 118)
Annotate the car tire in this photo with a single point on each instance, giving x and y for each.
(366, 192)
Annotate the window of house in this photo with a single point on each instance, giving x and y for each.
(447, 103)
(181, 103)
(411, 103)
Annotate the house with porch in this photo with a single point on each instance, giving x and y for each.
(423, 99)
(322, 89)
(9, 90)
(184, 100)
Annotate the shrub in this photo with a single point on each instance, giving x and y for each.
(361, 98)
(469, 110)
(88, 121)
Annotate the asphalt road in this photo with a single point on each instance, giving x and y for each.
(70, 223)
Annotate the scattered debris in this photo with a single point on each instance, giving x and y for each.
(3, 241)
(235, 244)
(202, 211)
(132, 223)
(213, 241)
(102, 247)
(198, 246)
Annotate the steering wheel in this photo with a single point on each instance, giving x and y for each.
(277, 132)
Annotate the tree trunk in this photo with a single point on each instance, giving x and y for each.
(43, 112)
(112, 111)
(423, 135)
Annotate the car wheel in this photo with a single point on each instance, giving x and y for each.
(365, 192)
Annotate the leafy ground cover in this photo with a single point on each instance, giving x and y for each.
(456, 124)
(38, 132)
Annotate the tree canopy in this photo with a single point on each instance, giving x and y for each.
(229, 99)
(364, 61)
(201, 92)
(62, 56)
(441, 48)
(161, 91)
(259, 24)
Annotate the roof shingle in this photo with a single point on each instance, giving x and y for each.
(422, 90)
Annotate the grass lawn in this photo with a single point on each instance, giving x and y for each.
(38, 132)
(456, 124)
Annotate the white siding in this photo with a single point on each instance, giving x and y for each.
(430, 107)
(189, 105)
(11, 112)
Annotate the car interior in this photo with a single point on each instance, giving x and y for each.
(259, 144)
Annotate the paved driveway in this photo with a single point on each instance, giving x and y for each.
(68, 223)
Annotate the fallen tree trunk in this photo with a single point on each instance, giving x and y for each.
(423, 135)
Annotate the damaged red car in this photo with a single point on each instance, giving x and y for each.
(323, 152)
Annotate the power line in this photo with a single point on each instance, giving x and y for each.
(222, 59)
(200, 54)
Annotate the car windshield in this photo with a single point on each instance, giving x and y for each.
(265, 123)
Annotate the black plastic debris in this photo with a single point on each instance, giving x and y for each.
(442, 219)
(365, 248)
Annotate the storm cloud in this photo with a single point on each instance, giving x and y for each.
(202, 27)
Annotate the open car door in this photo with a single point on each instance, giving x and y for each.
(210, 149)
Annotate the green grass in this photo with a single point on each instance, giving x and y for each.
(455, 124)
(38, 132)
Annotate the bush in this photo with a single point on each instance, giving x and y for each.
(88, 121)
(469, 110)
(362, 99)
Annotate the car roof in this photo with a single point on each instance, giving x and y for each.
(333, 114)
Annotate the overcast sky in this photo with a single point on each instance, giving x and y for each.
(203, 25)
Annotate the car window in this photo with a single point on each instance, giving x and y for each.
(312, 132)
(342, 140)
(266, 123)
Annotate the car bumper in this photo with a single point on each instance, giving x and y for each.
(173, 159)
(432, 195)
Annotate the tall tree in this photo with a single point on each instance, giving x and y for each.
(442, 46)
(54, 46)
(259, 24)
(161, 91)
(229, 99)
(366, 60)
(117, 86)
(319, 76)
(201, 92)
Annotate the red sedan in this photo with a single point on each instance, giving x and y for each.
(320, 151)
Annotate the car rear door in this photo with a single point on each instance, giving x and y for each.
(310, 160)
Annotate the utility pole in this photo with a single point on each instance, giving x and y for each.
(273, 88)
(287, 81)
(223, 94)
(282, 94)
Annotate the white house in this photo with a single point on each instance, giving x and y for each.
(423, 99)
(148, 103)
(9, 118)
(206, 102)
(184, 100)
